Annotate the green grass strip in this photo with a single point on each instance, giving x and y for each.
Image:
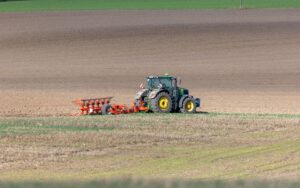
(44, 126)
(128, 183)
(62, 5)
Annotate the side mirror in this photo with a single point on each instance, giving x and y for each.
(142, 86)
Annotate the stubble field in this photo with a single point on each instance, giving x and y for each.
(199, 146)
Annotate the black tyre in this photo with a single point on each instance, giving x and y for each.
(188, 106)
(106, 109)
(174, 105)
(162, 103)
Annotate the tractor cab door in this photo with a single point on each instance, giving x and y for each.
(166, 84)
(170, 84)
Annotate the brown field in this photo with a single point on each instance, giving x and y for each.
(236, 61)
(241, 63)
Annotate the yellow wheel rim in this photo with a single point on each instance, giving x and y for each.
(189, 106)
(163, 103)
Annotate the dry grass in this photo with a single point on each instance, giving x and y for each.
(205, 146)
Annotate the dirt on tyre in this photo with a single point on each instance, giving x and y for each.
(188, 106)
(162, 103)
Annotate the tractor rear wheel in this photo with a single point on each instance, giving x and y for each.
(162, 103)
(188, 106)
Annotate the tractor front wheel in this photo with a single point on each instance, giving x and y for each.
(162, 103)
(188, 106)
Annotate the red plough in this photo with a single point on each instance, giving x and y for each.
(92, 106)
(102, 106)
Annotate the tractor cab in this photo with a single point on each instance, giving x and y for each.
(161, 82)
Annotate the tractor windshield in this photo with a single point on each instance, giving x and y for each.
(153, 83)
(158, 82)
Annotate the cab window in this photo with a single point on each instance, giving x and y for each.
(166, 82)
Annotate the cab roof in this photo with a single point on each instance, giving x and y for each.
(163, 76)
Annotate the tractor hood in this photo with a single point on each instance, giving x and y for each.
(183, 91)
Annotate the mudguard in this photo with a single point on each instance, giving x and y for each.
(197, 100)
(141, 93)
(154, 93)
(182, 99)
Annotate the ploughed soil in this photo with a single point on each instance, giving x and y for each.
(234, 60)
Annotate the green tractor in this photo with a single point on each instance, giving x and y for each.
(163, 95)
